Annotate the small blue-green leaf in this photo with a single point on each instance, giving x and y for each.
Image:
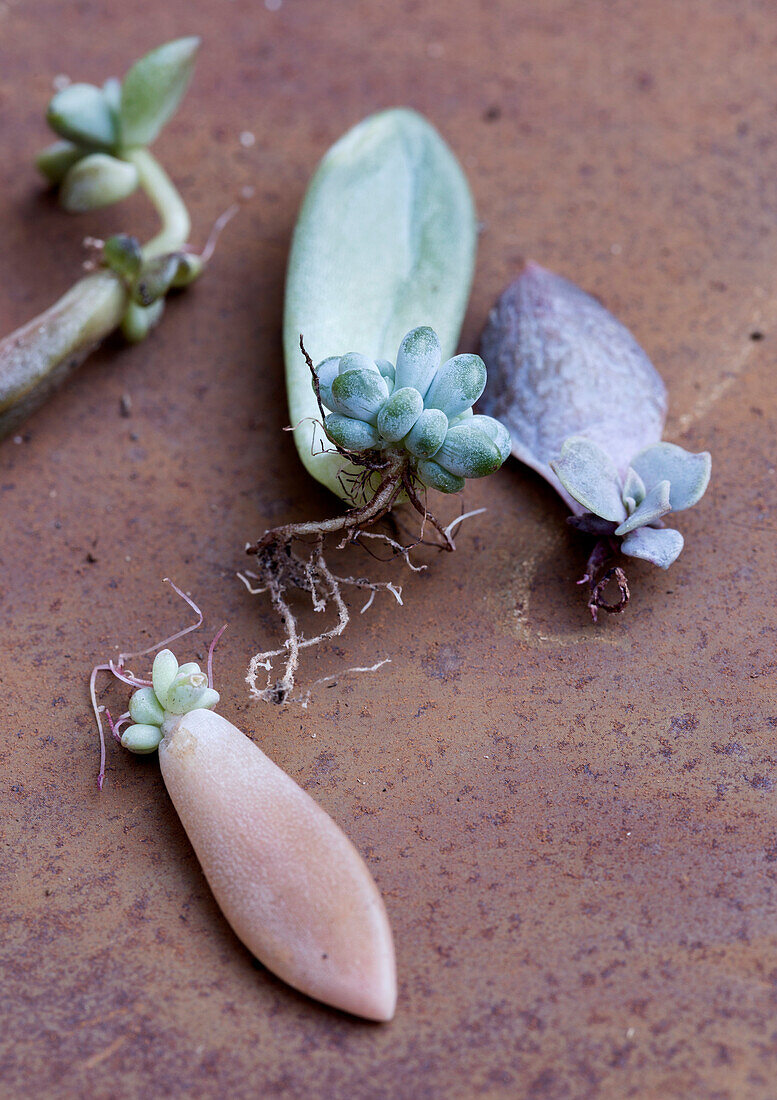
(496, 431)
(326, 373)
(163, 672)
(468, 451)
(351, 434)
(141, 738)
(388, 370)
(418, 358)
(437, 477)
(152, 90)
(655, 505)
(428, 434)
(589, 476)
(56, 160)
(185, 691)
(359, 393)
(661, 546)
(400, 413)
(354, 360)
(145, 709)
(688, 474)
(457, 385)
(96, 181)
(81, 113)
(633, 487)
(385, 241)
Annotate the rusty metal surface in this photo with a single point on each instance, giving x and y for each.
(573, 826)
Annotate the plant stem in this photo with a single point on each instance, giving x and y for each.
(166, 201)
(37, 357)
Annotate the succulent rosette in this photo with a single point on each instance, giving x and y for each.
(661, 479)
(418, 406)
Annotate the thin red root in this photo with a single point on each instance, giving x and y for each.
(117, 669)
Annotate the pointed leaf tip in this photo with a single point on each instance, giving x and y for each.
(655, 505)
(153, 88)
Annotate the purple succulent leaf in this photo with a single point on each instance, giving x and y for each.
(589, 476)
(559, 364)
(661, 546)
(688, 474)
(655, 505)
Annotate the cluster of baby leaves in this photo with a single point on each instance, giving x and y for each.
(175, 690)
(418, 408)
(99, 160)
(660, 479)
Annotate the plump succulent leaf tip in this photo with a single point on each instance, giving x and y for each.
(419, 406)
(661, 479)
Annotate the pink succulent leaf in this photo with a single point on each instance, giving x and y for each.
(659, 546)
(559, 365)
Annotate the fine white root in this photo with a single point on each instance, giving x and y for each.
(325, 590)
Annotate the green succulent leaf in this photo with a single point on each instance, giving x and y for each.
(155, 279)
(428, 434)
(56, 160)
(385, 241)
(145, 708)
(152, 90)
(688, 474)
(359, 393)
(163, 672)
(399, 413)
(141, 738)
(496, 432)
(468, 451)
(326, 373)
(661, 546)
(95, 181)
(589, 475)
(354, 360)
(351, 434)
(138, 321)
(437, 477)
(457, 385)
(388, 370)
(81, 113)
(123, 255)
(655, 505)
(418, 359)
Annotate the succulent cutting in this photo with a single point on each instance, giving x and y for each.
(586, 409)
(379, 274)
(101, 156)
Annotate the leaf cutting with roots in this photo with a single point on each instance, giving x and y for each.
(291, 558)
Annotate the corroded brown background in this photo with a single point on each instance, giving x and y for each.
(573, 826)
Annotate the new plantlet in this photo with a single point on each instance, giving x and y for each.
(381, 263)
(586, 409)
(289, 882)
(101, 156)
